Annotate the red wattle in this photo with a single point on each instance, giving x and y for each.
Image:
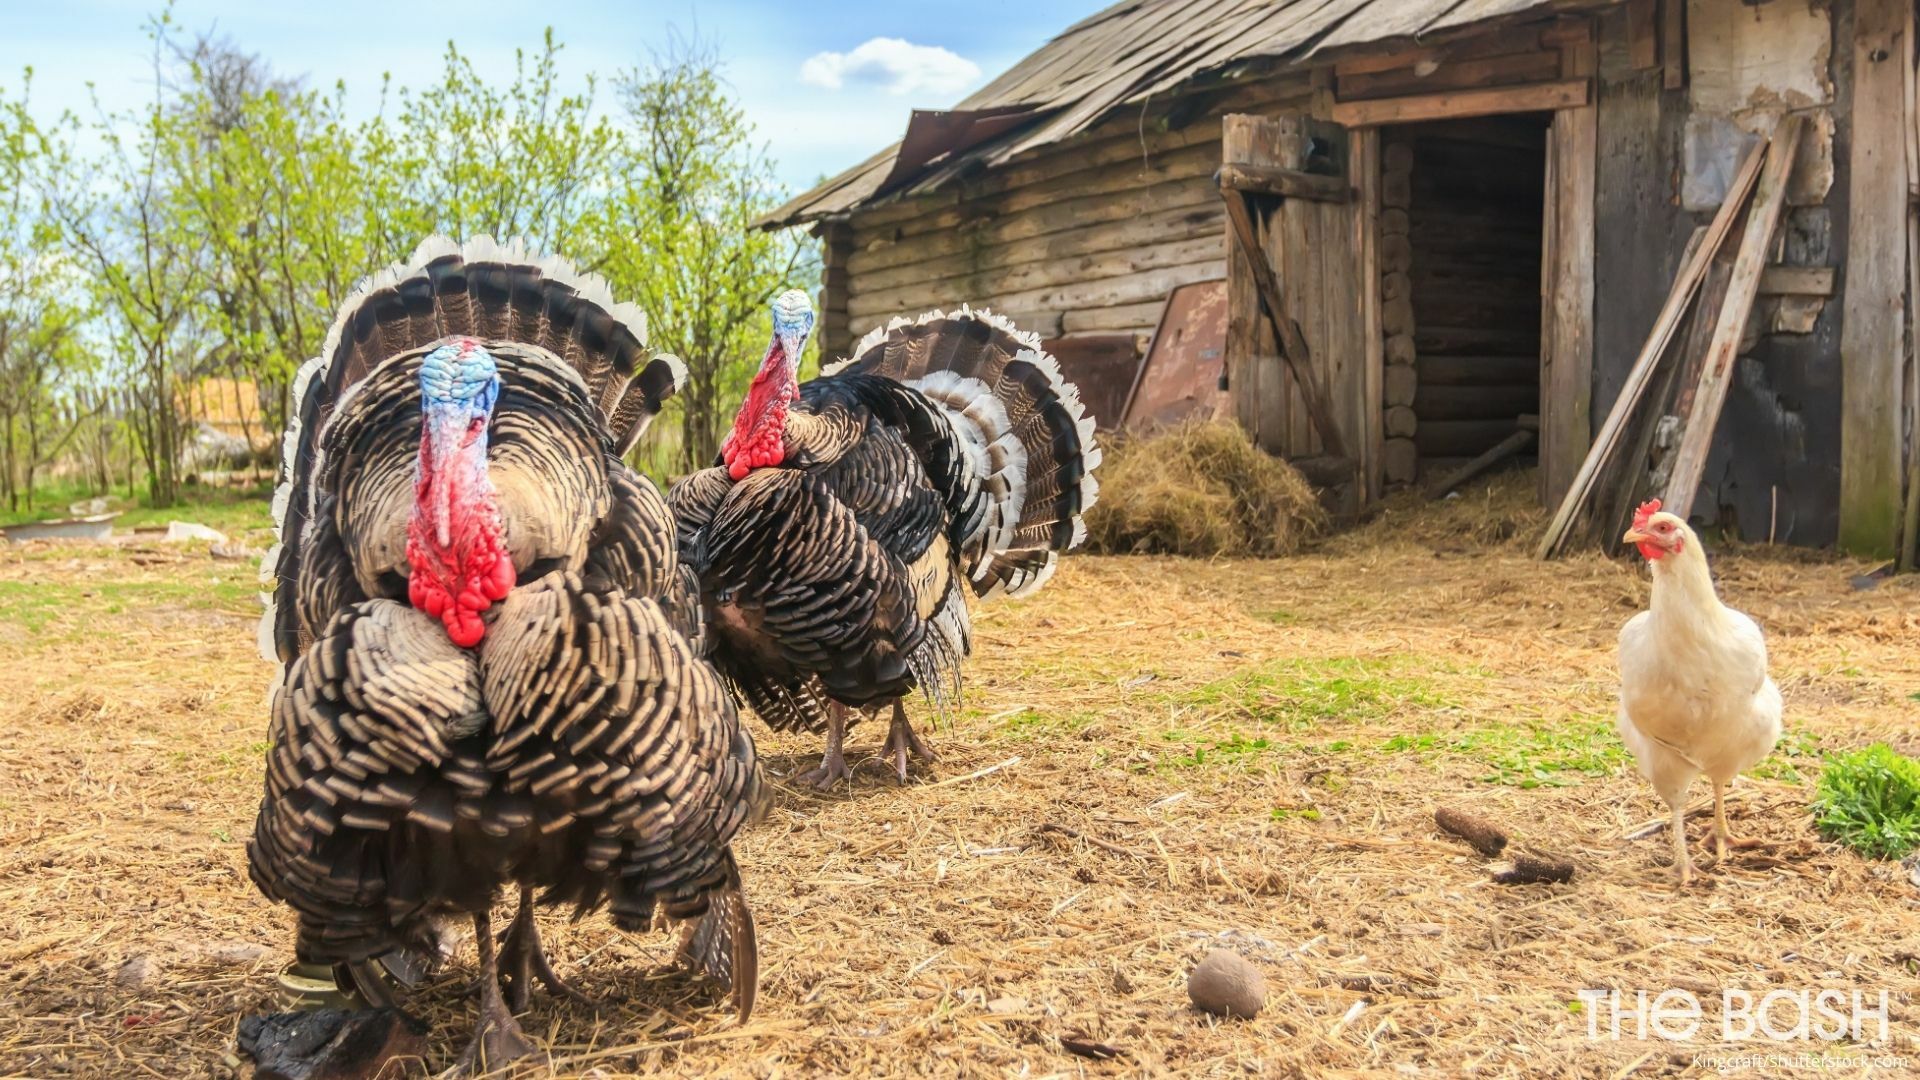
(1650, 551)
(759, 436)
(457, 582)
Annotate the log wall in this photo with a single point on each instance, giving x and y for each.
(1084, 237)
(1468, 303)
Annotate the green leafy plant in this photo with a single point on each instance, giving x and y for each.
(1870, 800)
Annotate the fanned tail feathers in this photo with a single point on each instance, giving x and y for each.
(1021, 425)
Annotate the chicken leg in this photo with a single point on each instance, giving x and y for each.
(903, 742)
(497, 1038)
(833, 766)
(523, 959)
(1682, 866)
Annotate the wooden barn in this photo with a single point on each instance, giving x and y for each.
(1661, 246)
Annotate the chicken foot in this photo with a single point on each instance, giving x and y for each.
(833, 766)
(497, 1038)
(903, 742)
(1723, 839)
(523, 958)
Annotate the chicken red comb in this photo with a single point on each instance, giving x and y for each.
(1646, 511)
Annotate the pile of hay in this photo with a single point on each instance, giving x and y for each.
(1201, 489)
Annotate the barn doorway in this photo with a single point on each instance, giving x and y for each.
(1461, 253)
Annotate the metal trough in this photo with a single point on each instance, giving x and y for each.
(92, 527)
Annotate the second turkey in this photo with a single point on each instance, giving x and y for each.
(848, 518)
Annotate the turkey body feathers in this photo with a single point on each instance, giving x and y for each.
(584, 748)
(948, 456)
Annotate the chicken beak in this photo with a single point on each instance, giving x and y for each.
(1635, 536)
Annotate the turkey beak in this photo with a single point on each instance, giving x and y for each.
(794, 346)
(446, 432)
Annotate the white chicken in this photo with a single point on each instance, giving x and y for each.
(1694, 692)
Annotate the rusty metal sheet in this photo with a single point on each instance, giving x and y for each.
(1104, 367)
(1180, 378)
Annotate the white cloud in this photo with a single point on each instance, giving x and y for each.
(897, 66)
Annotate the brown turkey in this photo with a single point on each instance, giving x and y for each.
(490, 679)
(850, 516)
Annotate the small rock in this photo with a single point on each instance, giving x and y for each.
(185, 806)
(1225, 984)
(234, 552)
(1007, 1006)
(137, 972)
(184, 532)
(330, 1044)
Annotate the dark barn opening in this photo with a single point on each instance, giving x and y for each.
(1474, 195)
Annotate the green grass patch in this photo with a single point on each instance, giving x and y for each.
(1869, 800)
(1299, 695)
(1236, 749)
(1797, 744)
(233, 510)
(1034, 724)
(1527, 755)
(39, 606)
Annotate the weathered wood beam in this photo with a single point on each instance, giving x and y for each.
(1499, 452)
(1293, 347)
(1286, 183)
(1531, 97)
(1871, 330)
(1716, 374)
(1796, 281)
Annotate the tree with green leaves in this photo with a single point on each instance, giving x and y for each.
(678, 235)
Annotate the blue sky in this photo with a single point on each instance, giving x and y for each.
(822, 91)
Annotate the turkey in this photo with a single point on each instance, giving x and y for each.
(848, 518)
(490, 682)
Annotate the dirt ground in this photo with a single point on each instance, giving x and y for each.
(1157, 757)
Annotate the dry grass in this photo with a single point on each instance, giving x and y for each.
(1191, 753)
(1201, 489)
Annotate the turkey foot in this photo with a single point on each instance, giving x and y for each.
(497, 1038)
(903, 743)
(833, 766)
(523, 958)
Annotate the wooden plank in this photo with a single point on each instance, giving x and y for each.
(1253, 371)
(1499, 452)
(1566, 379)
(1527, 67)
(1796, 281)
(1643, 46)
(1673, 44)
(1533, 97)
(1871, 328)
(1910, 524)
(1716, 374)
(1293, 348)
(1364, 170)
(1286, 183)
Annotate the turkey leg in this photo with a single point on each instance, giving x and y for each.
(497, 1038)
(903, 742)
(833, 766)
(523, 958)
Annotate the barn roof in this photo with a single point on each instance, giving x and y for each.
(1130, 51)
